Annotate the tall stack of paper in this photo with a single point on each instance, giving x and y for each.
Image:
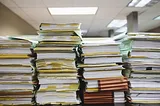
(15, 72)
(145, 62)
(56, 64)
(102, 73)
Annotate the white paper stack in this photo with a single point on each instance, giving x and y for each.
(15, 72)
(145, 62)
(99, 53)
(105, 83)
(56, 66)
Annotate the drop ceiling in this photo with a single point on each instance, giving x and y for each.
(36, 11)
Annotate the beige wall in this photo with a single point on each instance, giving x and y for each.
(11, 24)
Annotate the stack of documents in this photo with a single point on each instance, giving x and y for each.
(145, 74)
(56, 66)
(105, 83)
(62, 27)
(15, 72)
(99, 53)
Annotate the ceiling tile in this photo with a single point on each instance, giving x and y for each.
(85, 20)
(8, 3)
(107, 13)
(126, 11)
(149, 14)
(63, 19)
(29, 3)
(102, 3)
(58, 3)
(97, 26)
(20, 13)
(38, 14)
(145, 25)
(83, 17)
(157, 5)
(73, 18)
(100, 24)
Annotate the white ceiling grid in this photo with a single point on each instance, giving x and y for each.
(36, 12)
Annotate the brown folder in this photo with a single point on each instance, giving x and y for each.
(4, 93)
(116, 88)
(101, 97)
(96, 97)
(98, 101)
(114, 84)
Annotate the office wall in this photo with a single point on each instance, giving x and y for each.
(11, 24)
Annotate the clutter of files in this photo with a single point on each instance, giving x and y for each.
(58, 67)
(144, 77)
(101, 65)
(56, 64)
(42, 72)
(17, 72)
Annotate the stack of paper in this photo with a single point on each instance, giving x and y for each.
(99, 53)
(15, 72)
(145, 62)
(62, 27)
(102, 73)
(56, 66)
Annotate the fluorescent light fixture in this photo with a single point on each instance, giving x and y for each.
(73, 11)
(157, 18)
(122, 29)
(142, 3)
(131, 4)
(117, 23)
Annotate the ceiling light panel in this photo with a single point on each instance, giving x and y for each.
(122, 29)
(73, 11)
(133, 3)
(117, 23)
(142, 3)
(157, 18)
